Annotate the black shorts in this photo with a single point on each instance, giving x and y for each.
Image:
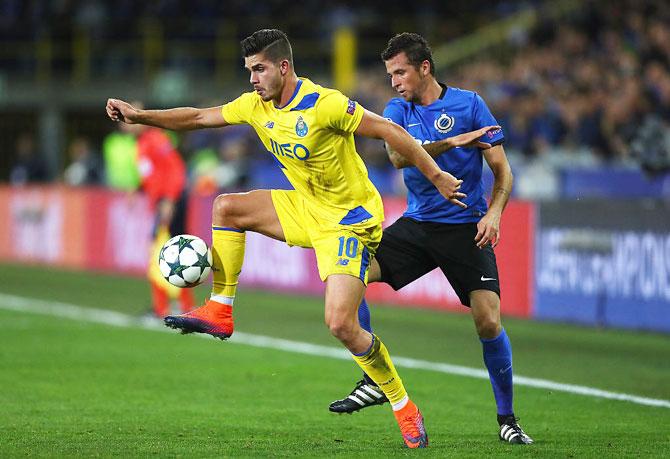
(409, 249)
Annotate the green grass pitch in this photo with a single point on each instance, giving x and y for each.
(74, 388)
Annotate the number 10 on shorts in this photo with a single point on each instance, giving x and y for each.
(348, 247)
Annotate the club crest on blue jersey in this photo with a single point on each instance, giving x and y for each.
(301, 127)
(444, 123)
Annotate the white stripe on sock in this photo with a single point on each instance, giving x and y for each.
(401, 404)
(223, 299)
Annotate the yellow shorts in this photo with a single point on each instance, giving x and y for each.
(340, 249)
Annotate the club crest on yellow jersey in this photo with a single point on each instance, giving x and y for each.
(301, 127)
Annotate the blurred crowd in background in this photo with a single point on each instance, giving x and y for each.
(590, 86)
(591, 90)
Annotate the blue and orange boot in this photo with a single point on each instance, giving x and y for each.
(213, 318)
(410, 421)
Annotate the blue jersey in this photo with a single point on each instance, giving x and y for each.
(456, 111)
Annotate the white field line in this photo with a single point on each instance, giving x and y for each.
(70, 311)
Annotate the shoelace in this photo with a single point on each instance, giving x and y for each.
(409, 426)
(359, 384)
(515, 426)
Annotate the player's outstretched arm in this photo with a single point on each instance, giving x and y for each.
(434, 149)
(176, 119)
(488, 228)
(373, 125)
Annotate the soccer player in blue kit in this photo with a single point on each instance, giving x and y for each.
(435, 233)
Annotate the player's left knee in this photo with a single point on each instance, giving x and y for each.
(341, 328)
(226, 210)
(224, 206)
(488, 327)
(486, 312)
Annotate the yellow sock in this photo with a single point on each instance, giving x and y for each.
(377, 364)
(228, 256)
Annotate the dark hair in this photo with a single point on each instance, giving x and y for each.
(273, 43)
(414, 46)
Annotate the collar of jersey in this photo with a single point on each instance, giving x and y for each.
(444, 90)
(444, 87)
(295, 93)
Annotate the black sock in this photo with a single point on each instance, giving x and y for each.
(504, 417)
(369, 380)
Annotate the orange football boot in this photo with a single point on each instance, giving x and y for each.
(411, 426)
(213, 318)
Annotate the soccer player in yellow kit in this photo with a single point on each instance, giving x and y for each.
(334, 207)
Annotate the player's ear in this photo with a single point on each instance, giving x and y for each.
(425, 67)
(284, 66)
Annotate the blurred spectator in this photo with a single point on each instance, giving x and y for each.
(234, 154)
(29, 166)
(651, 145)
(85, 167)
(220, 159)
(120, 159)
(200, 147)
(574, 90)
(583, 85)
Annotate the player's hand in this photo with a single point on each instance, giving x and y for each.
(449, 187)
(488, 230)
(118, 110)
(471, 139)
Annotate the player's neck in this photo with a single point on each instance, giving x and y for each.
(287, 91)
(431, 93)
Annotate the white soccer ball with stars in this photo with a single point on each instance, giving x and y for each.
(185, 260)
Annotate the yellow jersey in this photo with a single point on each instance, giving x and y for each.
(312, 140)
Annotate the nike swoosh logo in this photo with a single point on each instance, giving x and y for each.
(487, 278)
(413, 124)
(505, 370)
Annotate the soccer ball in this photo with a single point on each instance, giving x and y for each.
(185, 260)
